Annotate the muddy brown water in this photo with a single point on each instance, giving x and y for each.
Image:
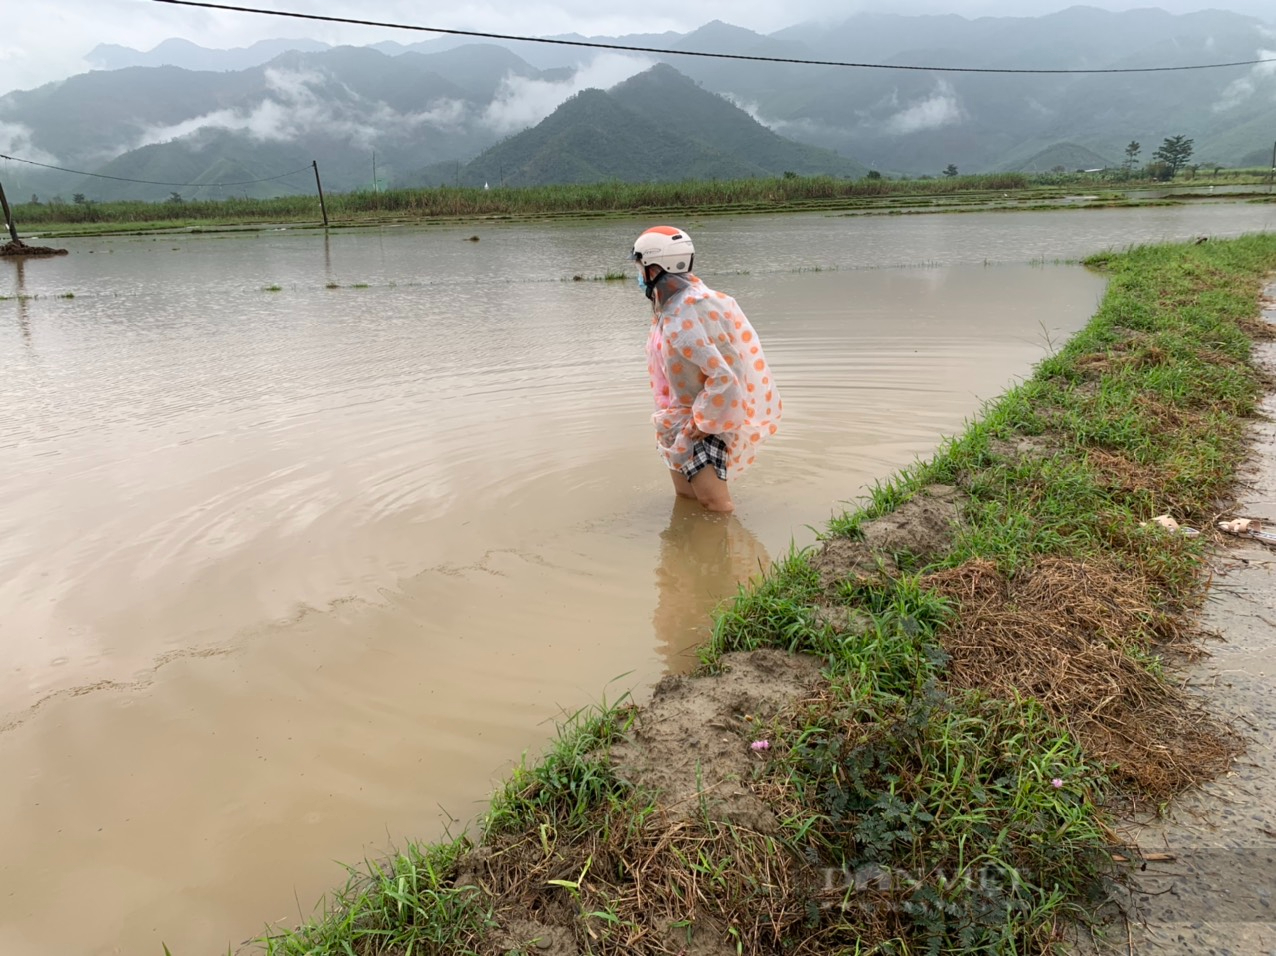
(289, 576)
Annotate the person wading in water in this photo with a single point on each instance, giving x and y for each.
(716, 401)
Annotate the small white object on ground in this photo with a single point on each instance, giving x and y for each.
(1247, 528)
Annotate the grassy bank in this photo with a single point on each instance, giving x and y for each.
(599, 199)
(921, 725)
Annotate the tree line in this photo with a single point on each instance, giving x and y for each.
(1173, 155)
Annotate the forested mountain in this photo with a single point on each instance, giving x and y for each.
(534, 113)
(631, 133)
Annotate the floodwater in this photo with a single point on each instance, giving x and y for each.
(289, 576)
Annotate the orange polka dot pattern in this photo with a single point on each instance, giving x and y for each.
(708, 370)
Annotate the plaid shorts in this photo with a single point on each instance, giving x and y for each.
(710, 450)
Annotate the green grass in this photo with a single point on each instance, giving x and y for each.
(946, 805)
(572, 779)
(916, 816)
(407, 904)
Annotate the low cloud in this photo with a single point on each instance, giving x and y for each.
(1039, 108)
(15, 140)
(796, 129)
(521, 102)
(1258, 78)
(939, 109)
(301, 102)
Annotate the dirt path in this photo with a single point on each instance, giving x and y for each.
(1214, 894)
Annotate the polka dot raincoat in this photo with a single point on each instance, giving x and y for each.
(708, 371)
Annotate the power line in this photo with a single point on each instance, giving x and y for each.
(701, 53)
(148, 182)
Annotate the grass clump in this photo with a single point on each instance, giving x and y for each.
(408, 904)
(942, 823)
(573, 778)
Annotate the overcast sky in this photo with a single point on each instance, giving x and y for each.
(47, 40)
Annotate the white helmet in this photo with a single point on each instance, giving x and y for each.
(664, 246)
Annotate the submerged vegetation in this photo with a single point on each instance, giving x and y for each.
(981, 663)
(587, 200)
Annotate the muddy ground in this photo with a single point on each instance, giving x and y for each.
(1209, 886)
(18, 248)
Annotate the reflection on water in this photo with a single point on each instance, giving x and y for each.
(284, 573)
(23, 305)
(703, 558)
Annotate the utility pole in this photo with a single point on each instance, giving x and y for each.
(374, 171)
(1271, 173)
(8, 216)
(322, 205)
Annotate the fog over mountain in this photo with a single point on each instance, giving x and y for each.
(42, 42)
(181, 113)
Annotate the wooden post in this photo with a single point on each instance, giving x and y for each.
(8, 216)
(322, 205)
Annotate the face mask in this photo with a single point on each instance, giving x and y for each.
(642, 283)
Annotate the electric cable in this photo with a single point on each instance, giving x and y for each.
(150, 182)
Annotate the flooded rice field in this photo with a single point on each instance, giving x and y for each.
(304, 539)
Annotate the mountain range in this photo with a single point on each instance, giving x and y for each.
(628, 133)
(446, 110)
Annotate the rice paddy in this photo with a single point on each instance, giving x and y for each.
(449, 204)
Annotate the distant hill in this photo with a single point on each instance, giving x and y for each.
(1243, 144)
(430, 109)
(209, 156)
(674, 102)
(918, 122)
(656, 126)
(593, 138)
(1259, 157)
(191, 56)
(1068, 156)
(337, 106)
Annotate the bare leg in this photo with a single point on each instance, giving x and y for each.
(681, 486)
(712, 491)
